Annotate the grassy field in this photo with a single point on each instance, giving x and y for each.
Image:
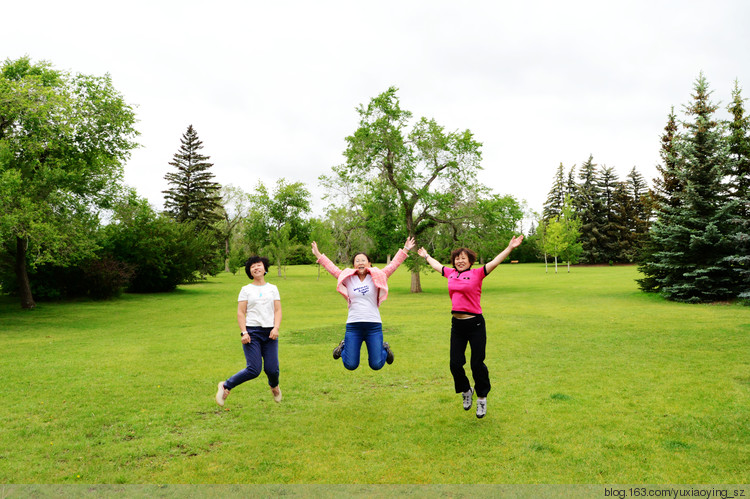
(593, 382)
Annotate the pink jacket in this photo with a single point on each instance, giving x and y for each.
(379, 277)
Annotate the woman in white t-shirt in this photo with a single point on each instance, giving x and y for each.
(259, 318)
(365, 287)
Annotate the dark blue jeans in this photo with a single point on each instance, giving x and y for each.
(372, 334)
(262, 353)
(474, 333)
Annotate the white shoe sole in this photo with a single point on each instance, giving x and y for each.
(220, 394)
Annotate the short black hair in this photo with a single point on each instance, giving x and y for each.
(469, 254)
(256, 259)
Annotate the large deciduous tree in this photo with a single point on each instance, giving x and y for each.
(278, 220)
(63, 140)
(427, 169)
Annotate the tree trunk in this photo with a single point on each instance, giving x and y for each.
(416, 284)
(555, 264)
(27, 301)
(226, 255)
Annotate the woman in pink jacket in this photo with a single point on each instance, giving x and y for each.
(365, 287)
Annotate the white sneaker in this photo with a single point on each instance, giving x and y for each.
(276, 396)
(221, 394)
(481, 407)
(467, 398)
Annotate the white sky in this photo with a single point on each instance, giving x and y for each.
(272, 87)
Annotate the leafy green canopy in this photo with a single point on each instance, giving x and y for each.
(63, 140)
(404, 180)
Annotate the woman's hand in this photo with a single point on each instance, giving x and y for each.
(422, 252)
(246, 338)
(515, 242)
(409, 244)
(315, 249)
(274, 334)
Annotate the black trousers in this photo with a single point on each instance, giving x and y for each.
(474, 333)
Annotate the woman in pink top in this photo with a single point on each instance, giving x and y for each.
(365, 287)
(467, 325)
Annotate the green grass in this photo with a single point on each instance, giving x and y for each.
(593, 382)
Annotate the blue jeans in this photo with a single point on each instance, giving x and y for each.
(262, 353)
(372, 334)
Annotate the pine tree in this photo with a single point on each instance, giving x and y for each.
(738, 173)
(556, 197)
(194, 196)
(691, 233)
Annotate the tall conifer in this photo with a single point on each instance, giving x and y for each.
(690, 235)
(193, 195)
(738, 174)
(591, 213)
(556, 197)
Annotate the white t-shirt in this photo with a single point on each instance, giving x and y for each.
(364, 300)
(259, 304)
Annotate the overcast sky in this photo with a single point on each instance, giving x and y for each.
(272, 87)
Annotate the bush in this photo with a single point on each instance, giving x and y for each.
(98, 278)
(162, 252)
(107, 277)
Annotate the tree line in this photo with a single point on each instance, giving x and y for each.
(690, 232)
(69, 227)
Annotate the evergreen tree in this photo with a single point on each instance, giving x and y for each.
(639, 221)
(571, 187)
(738, 173)
(664, 196)
(667, 184)
(590, 207)
(193, 195)
(691, 233)
(614, 220)
(556, 197)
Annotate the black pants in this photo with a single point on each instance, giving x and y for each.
(473, 332)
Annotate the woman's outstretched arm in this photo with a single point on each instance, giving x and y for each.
(325, 261)
(514, 243)
(400, 257)
(431, 261)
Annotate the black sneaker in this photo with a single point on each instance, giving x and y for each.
(387, 347)
(337, 350)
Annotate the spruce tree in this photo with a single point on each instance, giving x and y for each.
(193, 195)
(556, 197)
(664, 196)
(614, 220)
(640, 218)
(590, 207)
(738, 174)
(667, 184)
(571, 186)
(691, 234)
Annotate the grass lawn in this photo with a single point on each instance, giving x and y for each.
(593, 382)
